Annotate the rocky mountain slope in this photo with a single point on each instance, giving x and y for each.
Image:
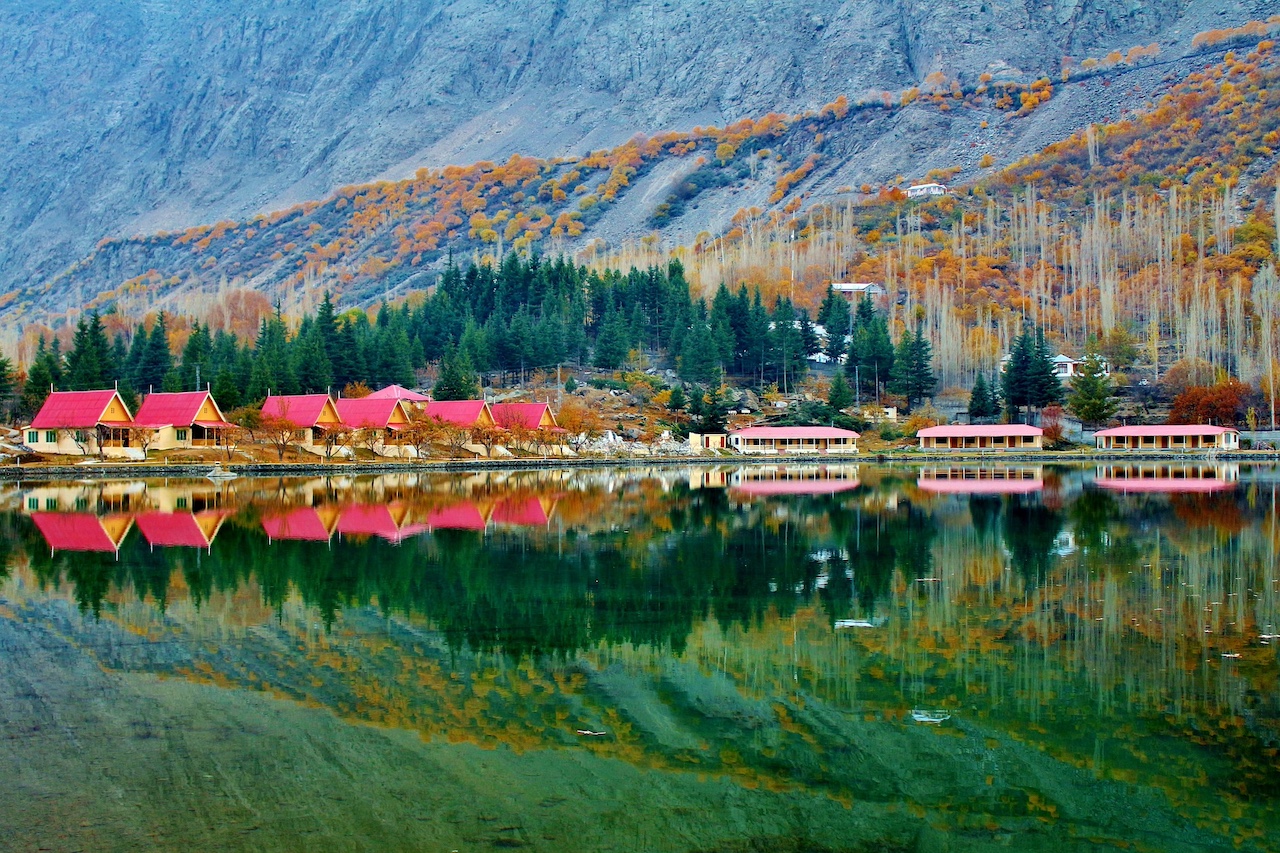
(133, 117)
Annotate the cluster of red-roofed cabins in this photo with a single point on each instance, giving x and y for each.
(99, 422)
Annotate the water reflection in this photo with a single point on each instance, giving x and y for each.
(787, 628)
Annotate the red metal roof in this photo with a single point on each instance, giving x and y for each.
(802, 432)
(175, 529)
(978, 431)
(302, 523)
(180, 409)
(302, 410)
(1165, 429)
(75, 410)
(365, 412)
(527, 415)
(524, 512)
(375, 520)
(462, 516)
(398, 392)
(459, 412)
(74, 531)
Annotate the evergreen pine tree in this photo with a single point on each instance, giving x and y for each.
(89, 362)
(157, 361)
(840, 395)
(1091, 392)
(981, 404)
(8, 383)
(457, 380)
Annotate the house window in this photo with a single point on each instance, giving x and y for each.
(33, 503)
(182, 435)
(180, 503)
(51, 436)
(50, 503)
(33, 436)
(81, 437)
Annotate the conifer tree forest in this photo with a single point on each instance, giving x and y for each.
(523, 315)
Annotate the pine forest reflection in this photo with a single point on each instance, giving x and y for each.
(1008, 652)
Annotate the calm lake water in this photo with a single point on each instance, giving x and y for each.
(785, 658)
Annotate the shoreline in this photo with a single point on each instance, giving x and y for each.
(139, 470)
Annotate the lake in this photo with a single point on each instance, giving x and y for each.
(759, 658)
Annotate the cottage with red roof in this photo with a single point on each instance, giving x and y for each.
(1177, 438)
(962, 437)
(470, 414)
(794, 439)
(79, 423)
(399, 392)
(529, 416)
(380, 421)
(310, 414)
(182, 420)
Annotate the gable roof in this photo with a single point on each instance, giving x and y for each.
(364, 412)
(459, 516)
(300, 523)
(78, 410)
(460, 412)
(527, 415)
(176, 409)
(303, 410)
(398, 392)
(180, 529)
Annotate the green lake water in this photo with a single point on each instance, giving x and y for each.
(761, 658)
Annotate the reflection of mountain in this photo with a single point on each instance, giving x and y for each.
(696, 631)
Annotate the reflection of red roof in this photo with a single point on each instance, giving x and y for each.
(76, 531)
(180, 409)
(809, 432)
(1165, 429)
(463, 516)
(398, 392)
(526, 415)
(979, 487)
(375, 520)
(459, 412)
(303, 410)
(302, 523)
(978, 431)
(526, 512)
(75, 410)
(366, 412)
(1165, 484)
(824, 486)
(177, 529)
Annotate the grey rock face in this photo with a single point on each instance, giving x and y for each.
(130, 116)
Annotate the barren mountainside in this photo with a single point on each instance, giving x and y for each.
(124, 118)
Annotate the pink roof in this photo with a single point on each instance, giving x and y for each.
(375, 520)
(524, 512)
(302, 523)
(362, 412)
(180, 409)
(979, 487)
(460, 412)
(1164, 484)
(170, 529)
(766, 488)
(1165, 429)
(978, 431)
(810, 432)
(73, 531)
(74, 410)
(463, 516)
(527, 415)
(302, 410)
(398, 392)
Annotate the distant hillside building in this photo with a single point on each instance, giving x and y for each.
(854, 291)
(926, 190)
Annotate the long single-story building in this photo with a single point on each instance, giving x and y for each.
(73, 422)
(1173, 437)
(794, 439)
(981, 437)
